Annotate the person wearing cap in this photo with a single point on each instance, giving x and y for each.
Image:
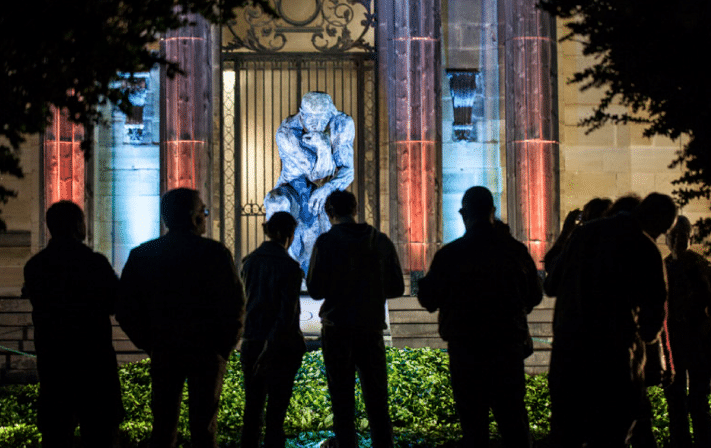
(316, 151)
(484, 284)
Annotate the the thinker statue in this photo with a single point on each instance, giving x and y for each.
(316, 150)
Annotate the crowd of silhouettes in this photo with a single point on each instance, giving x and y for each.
(624, 319)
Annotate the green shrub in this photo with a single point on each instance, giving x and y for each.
(20, 436)
(421, 406)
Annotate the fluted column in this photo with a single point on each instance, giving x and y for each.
(414, 110)
(531, 125)
(187, 106)
(63, 160)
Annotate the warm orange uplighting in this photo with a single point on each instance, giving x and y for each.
(415, 140)
(532, 126)
(534, 175)
(180, 163)
(63, 160)
(187, 105)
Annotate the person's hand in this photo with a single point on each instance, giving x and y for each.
(318, 199)
(571, 221)
(263, 361)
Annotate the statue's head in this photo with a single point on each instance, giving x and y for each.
(316, 111)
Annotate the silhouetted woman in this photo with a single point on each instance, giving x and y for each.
(272, 344)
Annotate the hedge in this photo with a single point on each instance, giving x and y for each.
(421, 406)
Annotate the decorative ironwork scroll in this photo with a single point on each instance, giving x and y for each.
(326, 26)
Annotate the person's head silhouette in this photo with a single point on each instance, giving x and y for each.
(65, 219)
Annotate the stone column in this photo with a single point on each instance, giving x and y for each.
(531, 126)
(414, 111)
(63, 161)
(187, 108)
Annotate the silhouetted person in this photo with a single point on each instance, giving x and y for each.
(689, 277)
(272, 343)
(354, 268)
(593, 209)
(611, 290)
(484, 284)
(642, 435)
(73, 292)
(182, 302)
(626, 203)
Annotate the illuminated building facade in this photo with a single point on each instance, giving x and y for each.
(445, 95)
(427, 117)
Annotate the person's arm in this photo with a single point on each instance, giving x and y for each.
(342, 136)
(651, 291)
(287, 299)
(705, 274)
(534, 290)
(393, 281)
(432, 286)
(317, 280)
(554, 279)
(294, 162)
(107, 283)
(231, 304)
(131, 311)
(342, 142)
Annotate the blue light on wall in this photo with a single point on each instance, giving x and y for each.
(473, 156)
(127, 183)
(471, 128)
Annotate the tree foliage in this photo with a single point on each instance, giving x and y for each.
(68, 53)
(649, 58)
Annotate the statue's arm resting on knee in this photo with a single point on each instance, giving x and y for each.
(294, 161)
(342, 136)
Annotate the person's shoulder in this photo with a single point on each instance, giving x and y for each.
(150, 247)
(213, 246)
(36, 260)
(691, 258)
(454, 246)
(328, 235)
(99, 258)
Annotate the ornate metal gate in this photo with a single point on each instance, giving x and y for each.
(263, 84)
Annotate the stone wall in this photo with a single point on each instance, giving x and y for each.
(614, 160)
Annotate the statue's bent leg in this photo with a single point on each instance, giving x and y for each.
(282, 199)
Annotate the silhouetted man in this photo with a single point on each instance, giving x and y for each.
(484, 284)
(689, 325)
(354, 268)
(73, 292)
(610, 289)
(182, 302)
(272, 343)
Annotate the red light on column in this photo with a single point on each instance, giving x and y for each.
(417, 190)
(181, 162)
(415, 127)
(63, 160)
(187, 104)
(533, 173)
